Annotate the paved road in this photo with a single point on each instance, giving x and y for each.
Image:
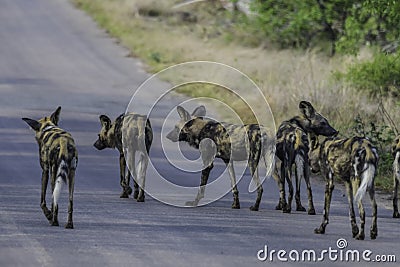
(52, 54)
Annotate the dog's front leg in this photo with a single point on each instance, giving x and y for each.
(200, 194)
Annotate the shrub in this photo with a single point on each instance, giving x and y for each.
(380, 76)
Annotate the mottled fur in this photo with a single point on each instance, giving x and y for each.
(396, 175)
(59, 157)
(292, 149)
(139, 137)
(225, 141)
(355, 161)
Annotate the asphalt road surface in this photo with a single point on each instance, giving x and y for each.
(52, 54)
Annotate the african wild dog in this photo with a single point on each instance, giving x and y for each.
(225, 141)
(396, 175)
(58, 155)
(292, 146)
(139, 136)
(355, 161)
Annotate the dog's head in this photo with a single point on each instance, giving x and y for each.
(103, 140)
(44, 123)
(182, 127)
(315, 122)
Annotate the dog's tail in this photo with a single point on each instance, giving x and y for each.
(368, 159)
(367, 180)
(62, 172)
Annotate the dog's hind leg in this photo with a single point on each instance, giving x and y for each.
(374, 225)
(141, 175)
(130, 157)
(126, 189)
(56, 183)
(136, 188)
(349, 191)
(71, 183)
(231, 170)
(288, 175)
(356, 184)
(396, 181)
(311, 209)
(256, 180)
(45, 181)
(280, 180)
(328, 196)
(299, 174)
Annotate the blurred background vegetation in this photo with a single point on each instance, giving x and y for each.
(341, 55)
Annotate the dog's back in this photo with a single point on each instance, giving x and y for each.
(56, 145)
(291, 140)
(135, 132)
(349, 156)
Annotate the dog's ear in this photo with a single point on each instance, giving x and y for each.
(199, 111)
(35, 125)
(307, 109)
(105, 121)
(55, 117)
(183, 113)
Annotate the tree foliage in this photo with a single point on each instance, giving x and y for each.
(377, 77)
(346, 24)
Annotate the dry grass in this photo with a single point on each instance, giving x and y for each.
(163, 36)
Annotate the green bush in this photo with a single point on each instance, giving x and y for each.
(378, 77)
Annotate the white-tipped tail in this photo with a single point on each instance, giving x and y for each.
(367, 179)
(57, 190)
(62, 173)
